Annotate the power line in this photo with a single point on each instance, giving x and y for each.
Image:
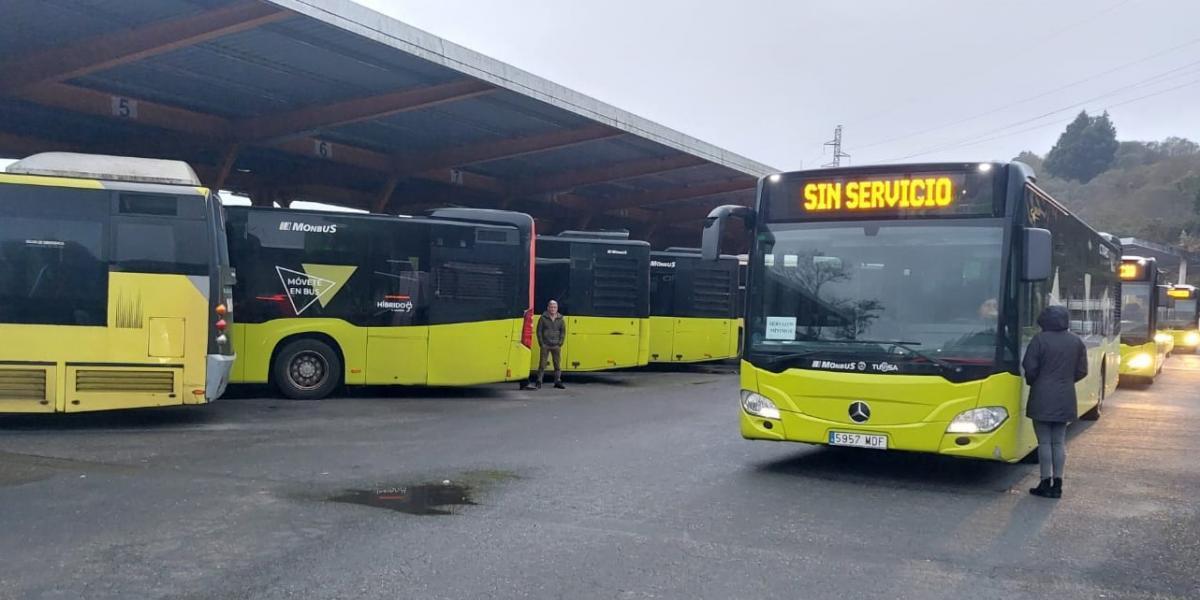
(1025, 49)
(1161, 76)
(993, 111)
(974, 142)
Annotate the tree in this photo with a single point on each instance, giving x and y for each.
(1087, 148)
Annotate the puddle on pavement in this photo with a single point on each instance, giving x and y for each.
(422, 499)
(445, 498)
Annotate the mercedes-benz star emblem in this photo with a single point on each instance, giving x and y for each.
(860, 412)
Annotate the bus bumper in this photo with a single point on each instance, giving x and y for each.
(928, 437)
(1142, 360)
(216, 375)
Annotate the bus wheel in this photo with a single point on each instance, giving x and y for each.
(306, 369)
(1094, 414)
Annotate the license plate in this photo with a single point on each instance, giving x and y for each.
(858, 440)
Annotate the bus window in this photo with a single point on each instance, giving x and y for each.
(52, 256)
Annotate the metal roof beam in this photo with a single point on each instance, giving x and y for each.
(676, 194)
(215, 129)
(509, 148)
(313, 118)
(128, 45)
(627, 170)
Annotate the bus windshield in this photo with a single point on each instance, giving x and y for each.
(1135, 317)
(1181, 314)
(862, 288)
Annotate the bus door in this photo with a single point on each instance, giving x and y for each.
(397, 340)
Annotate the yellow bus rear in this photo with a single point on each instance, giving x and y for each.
(693, 307)
(887, 308)
(601, 282)
(115, 285)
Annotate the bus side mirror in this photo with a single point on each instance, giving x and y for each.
(1039, 248)
(714, 228)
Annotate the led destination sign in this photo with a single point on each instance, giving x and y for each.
(876, 194)
(882, 195)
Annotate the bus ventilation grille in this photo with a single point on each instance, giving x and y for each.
(142, 382)
(472, 281)
(713, 293)
(615, 283)
(22, 384)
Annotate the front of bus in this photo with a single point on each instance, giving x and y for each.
(1143, 348)
(1183, 317)
(873, 312)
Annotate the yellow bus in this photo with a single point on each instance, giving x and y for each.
(1144, 344)
(115, 285)
(327, 299)
(888, 307)
(601, 280)
(1183, 317)
(693, 307)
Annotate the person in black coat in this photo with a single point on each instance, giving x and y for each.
(1054, 361)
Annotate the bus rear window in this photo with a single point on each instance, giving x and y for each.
(52, 256)
(161, 246)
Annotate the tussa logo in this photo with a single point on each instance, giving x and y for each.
(306, 227)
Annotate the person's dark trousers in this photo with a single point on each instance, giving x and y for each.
(556, 354)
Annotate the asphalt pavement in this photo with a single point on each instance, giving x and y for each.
(626, 485)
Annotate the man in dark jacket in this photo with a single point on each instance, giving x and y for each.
(1054, 361)
(551, 334)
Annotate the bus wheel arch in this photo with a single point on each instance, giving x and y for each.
(1096, 411)
(307, 366)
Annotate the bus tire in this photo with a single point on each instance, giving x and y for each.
(306, 369)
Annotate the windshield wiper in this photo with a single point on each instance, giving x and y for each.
(929, 357)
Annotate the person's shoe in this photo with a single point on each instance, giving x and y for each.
(1042, 489)
(560, 386)
(537, 386)
(1056, 488)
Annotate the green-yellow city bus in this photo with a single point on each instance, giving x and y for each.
(601, 280)
(888, 307)
(1144, 346)
(1182, 321)
(693, 307)
(327, 298)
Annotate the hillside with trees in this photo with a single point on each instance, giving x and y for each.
(1149, 190)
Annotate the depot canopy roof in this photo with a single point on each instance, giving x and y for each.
(326, 100)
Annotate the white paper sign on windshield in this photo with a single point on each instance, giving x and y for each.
(781, 328)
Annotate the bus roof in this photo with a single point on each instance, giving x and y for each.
(337, 214)
(603, 241)
(107, 168)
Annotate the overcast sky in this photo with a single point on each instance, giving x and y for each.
(910, 80)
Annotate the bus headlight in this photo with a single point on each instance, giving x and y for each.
(1192, 338)
(758, 405)
(978, 420)
(1163, 338)
(1140, 361)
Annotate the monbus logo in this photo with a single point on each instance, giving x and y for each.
(662, 264)
(619, 252)
(306, 227)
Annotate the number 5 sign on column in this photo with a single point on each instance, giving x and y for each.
(124, 108)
